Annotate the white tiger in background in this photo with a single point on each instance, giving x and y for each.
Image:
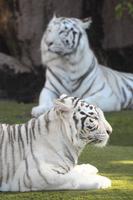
(43, 153)
(72, 68)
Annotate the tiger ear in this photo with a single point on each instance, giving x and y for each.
(54, 16)
(63, 96)
(86, 23)
(61, 106)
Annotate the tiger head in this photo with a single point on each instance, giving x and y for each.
(63, 35)
(89, 120)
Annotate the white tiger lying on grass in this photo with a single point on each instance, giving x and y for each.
(72, 68)
(43, 153)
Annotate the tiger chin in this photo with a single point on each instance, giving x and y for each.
(42, 154)
(73, 69)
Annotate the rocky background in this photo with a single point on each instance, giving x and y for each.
(22, 23)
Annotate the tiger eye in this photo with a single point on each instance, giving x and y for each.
(91, 107)
(82, 104)
(91, 113)
(78, 109)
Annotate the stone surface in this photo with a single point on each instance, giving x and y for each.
(8, 63)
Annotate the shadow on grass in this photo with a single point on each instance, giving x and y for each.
(110, 194)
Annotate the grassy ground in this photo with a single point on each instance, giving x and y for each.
(114, 161)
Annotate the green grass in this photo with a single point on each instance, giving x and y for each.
(114, 161)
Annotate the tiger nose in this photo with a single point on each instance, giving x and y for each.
(49, 43)
(109, 131)
(108, 128)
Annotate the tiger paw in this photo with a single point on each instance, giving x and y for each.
(103, 182)
(38, 110)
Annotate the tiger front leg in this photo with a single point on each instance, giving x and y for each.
(86, 168)
(45, 102)
(81, 177)
(46, 177)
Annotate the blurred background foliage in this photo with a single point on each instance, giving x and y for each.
(122, 7)
(23, 22)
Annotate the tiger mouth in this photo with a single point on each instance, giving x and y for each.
(58, 52)
(96, 141)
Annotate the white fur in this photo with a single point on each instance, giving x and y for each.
(107, 88)
(44, 155)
